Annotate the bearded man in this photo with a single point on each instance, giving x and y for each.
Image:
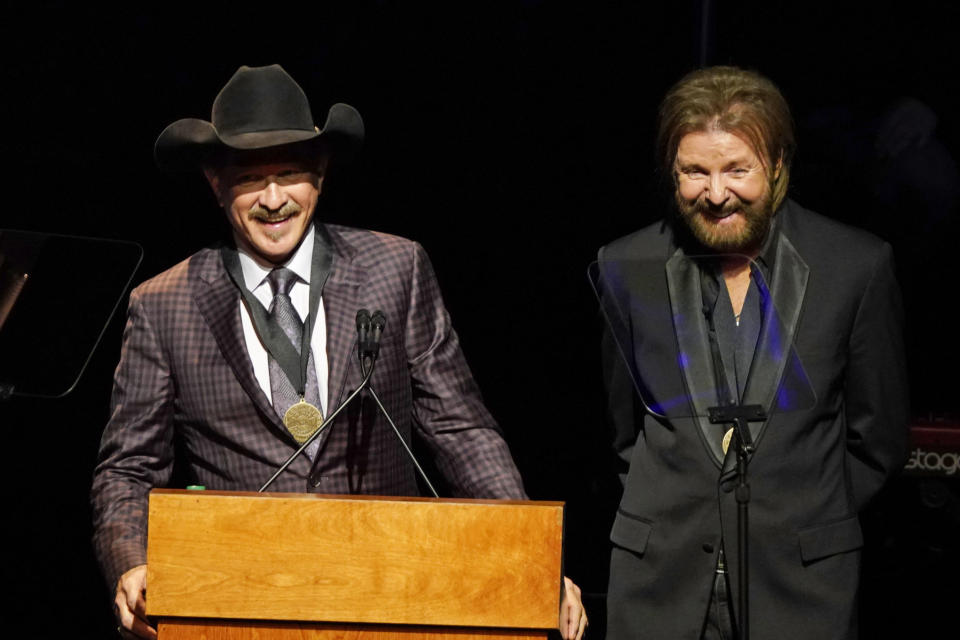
(745, 298)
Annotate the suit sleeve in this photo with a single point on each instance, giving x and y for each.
(624, 414)
(623, 417)
(136, 450)
(448, 410)
(875, 385)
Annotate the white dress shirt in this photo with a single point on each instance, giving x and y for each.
(255, 278)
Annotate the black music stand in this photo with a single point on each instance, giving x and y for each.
(57, 295)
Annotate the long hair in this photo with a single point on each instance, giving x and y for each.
(736, 101)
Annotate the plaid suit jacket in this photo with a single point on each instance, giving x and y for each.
(185, 390)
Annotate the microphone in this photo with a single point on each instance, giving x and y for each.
(378, 321)
(363, 331)
(369, 330)
(366, 350)
(363, 348)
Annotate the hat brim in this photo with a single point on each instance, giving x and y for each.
(192, 143)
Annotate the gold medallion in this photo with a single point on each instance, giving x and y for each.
(727, 437)
(302, 419)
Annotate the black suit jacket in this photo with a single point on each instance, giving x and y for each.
(819, 457)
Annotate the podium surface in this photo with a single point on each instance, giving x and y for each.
(250, 565)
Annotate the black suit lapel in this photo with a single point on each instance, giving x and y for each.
(342, 297)
(776, 380)
(692, 333)
(219, 303)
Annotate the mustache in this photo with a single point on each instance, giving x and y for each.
(730, 206)
(263, 214)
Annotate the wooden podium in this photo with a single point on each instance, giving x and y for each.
(225, 566)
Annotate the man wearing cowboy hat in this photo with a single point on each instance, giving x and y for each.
(207, 376)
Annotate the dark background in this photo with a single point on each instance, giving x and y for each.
(512, 139)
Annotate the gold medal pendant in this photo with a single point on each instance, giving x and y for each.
(302, 419)
(727, 437)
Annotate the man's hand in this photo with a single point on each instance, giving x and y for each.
(130, 604)
(573, 617)
(131, 607)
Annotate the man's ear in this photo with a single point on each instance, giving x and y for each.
(322, 163)
(321, 169)
(675, 172)
(214, 180)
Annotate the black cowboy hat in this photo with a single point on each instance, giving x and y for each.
(258, 108)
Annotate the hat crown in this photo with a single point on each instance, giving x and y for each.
(258, 108)
(259, 99)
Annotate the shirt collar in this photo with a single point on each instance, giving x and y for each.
(300, 263)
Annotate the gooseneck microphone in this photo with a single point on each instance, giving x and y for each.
(363, 329)
(368, 337)
(368, 357)
(377, 322)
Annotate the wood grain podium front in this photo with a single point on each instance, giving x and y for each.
(231, 566)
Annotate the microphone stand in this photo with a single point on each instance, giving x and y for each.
(323, 425)
(372, 327)
(368, 347)
(740, 415)
(412, 457)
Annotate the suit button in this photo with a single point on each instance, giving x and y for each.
(708, 547)
(728, 485)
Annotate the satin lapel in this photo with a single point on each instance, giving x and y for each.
(341, 299)
(691, 329)
(775, 345)
(219, 304)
